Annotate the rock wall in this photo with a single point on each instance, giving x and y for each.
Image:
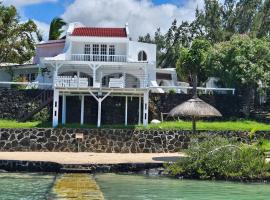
(230, 106)
(105, 140)
(14, 102)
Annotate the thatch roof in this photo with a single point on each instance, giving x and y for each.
(195, 107)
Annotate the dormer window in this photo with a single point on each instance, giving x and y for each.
(142, 56)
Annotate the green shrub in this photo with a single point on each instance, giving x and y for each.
(19, 79)
(264, 144)
(172, 91)
(221, 158)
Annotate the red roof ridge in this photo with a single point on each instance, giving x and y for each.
(99, 32)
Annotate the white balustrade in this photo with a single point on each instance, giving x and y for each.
(71, 82)
(138, 81)
(117, 82)
(98, 58)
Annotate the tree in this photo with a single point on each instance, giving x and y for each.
(17, 43)
(192, 62)
(56, 28)
(242, 62)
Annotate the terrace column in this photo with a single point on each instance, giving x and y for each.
(140, 110)
(55, 107)
(126, 111)
(82, 109)
(145, 107)
(64, 109)
(99, 112)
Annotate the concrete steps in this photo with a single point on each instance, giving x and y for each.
(76, 186)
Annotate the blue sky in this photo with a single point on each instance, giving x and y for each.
(143, 16)
(45, 12)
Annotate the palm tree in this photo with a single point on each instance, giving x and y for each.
(56, 28)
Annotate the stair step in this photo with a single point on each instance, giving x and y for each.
(75, 170)
(41, 101)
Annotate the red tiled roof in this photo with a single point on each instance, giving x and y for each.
(100, 32)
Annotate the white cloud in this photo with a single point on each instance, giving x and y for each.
(143, 16)
(43, 28)
(20, 3)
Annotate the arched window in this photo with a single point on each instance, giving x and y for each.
(142, 56)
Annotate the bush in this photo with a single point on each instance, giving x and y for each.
(220, 158)
(19, 79)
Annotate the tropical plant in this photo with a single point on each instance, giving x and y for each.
(242, 62)
(17, 39)
(215, 157)
(192, 61)
(56, 28)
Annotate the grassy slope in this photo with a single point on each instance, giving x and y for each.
(185, 125)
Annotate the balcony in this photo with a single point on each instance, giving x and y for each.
(122, 82)
(98, 58)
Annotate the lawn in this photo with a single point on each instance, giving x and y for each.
(185, 125)
(15, 124)
(218, 125)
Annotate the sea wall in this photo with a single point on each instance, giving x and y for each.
(107, 140)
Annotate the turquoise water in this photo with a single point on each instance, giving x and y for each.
(31, 186)
(25, 186)
(130, 187)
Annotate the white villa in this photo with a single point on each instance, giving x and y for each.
(97, 62)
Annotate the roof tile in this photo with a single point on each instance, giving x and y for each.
(99, 32)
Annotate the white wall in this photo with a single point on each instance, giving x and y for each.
(136, 47)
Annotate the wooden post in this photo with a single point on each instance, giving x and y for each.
(55, 107)
(82, 109)
(64, 109)
(126, 111)
(193, 124)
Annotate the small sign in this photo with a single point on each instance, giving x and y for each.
(79, 136)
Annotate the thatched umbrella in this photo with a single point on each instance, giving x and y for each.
(195, 108)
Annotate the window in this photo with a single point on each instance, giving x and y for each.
(87, 49)
(142, 56)
(95, 52)
(87, 52)
(111, 53)
(103, 52)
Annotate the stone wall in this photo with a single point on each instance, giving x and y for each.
(104, 140)
(14, 102)
(230, 106)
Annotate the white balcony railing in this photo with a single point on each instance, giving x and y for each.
(122, 82)
(99, 58)
(71, 82)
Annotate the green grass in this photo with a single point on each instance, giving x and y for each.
(265, 145)
(15, 124)
(246, 125)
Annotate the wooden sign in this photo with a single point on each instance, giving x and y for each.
(79, 136)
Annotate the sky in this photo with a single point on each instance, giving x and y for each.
(143, 16)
